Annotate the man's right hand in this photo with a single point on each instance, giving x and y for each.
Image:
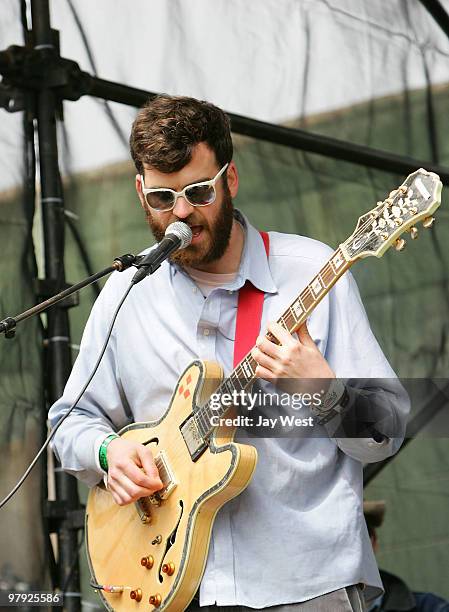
(132, 473)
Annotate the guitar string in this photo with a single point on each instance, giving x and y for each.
(238, 372)
(203, 412)
(248, 359)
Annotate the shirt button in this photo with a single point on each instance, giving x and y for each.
(231, 291)
(206, 332)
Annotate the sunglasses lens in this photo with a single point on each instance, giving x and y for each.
(201, 195)
(160, 200)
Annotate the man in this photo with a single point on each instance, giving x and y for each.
(295, 539)
(398, 597)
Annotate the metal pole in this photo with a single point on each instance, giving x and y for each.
(278, 134)
(436, 9)
(59, 356)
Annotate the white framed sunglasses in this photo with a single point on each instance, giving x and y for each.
(162, 199)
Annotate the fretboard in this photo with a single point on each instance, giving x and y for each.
(244, 373)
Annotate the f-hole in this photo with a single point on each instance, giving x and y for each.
(170, 540)
(155, 440)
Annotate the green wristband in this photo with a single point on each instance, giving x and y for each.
(103, 451)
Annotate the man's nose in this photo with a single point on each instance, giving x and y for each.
(182, 208)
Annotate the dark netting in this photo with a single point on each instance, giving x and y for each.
(379, 70)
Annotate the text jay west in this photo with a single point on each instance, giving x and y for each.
(249, 400)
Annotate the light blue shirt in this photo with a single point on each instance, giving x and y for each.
(298, 530)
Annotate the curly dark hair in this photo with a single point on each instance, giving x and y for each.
(168, 127)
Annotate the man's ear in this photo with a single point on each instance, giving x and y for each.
(232, 178)
(139, 191)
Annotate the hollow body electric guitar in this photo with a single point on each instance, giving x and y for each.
(152, 553)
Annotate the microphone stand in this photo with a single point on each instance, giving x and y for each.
(8, 325)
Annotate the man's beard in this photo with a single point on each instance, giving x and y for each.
(218, 234)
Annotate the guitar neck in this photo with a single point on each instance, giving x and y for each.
(293, 317)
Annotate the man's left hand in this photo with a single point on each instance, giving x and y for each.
(295, 358)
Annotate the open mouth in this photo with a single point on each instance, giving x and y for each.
(196, 231)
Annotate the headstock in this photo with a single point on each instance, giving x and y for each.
(380, 228)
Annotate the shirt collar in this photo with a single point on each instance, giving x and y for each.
(254, 262)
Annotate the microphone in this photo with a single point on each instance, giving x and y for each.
(178, 235)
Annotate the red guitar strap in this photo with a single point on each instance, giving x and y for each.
(249, 314)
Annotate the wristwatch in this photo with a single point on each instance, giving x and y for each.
(334, 402)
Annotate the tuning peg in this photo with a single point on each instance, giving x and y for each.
(400, 244)
(428, 222)
(413, 232)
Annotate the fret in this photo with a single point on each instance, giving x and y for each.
(228, 386)
(203, 427)
(210, 412)
(291, 314)
(244, 378)
(253, 364)
(238, 376)
(307, 299)
(297, 309)
(337, 260)
(247, 369)
(236, 381)
(316, 286)
(289, 320)
(205, 417)
(328, 276)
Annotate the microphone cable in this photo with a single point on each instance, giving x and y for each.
(81, 393)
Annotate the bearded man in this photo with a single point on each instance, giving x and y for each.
(295, 539)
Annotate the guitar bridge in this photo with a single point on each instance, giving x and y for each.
(145, 504)
(166, 475)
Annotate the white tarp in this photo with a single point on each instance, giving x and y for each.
(271, 60)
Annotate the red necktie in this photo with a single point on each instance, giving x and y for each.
(249, 314)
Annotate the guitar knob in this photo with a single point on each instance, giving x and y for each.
(147, 562)
(136, 594)
(428, 222)
(155, 600)
(400, 244)
(168, 568)
(414, 232)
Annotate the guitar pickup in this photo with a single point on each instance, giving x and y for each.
(193, 438)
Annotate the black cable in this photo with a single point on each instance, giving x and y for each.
(72, 567)
(83, 252)
(109, 113)
(60, 422)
